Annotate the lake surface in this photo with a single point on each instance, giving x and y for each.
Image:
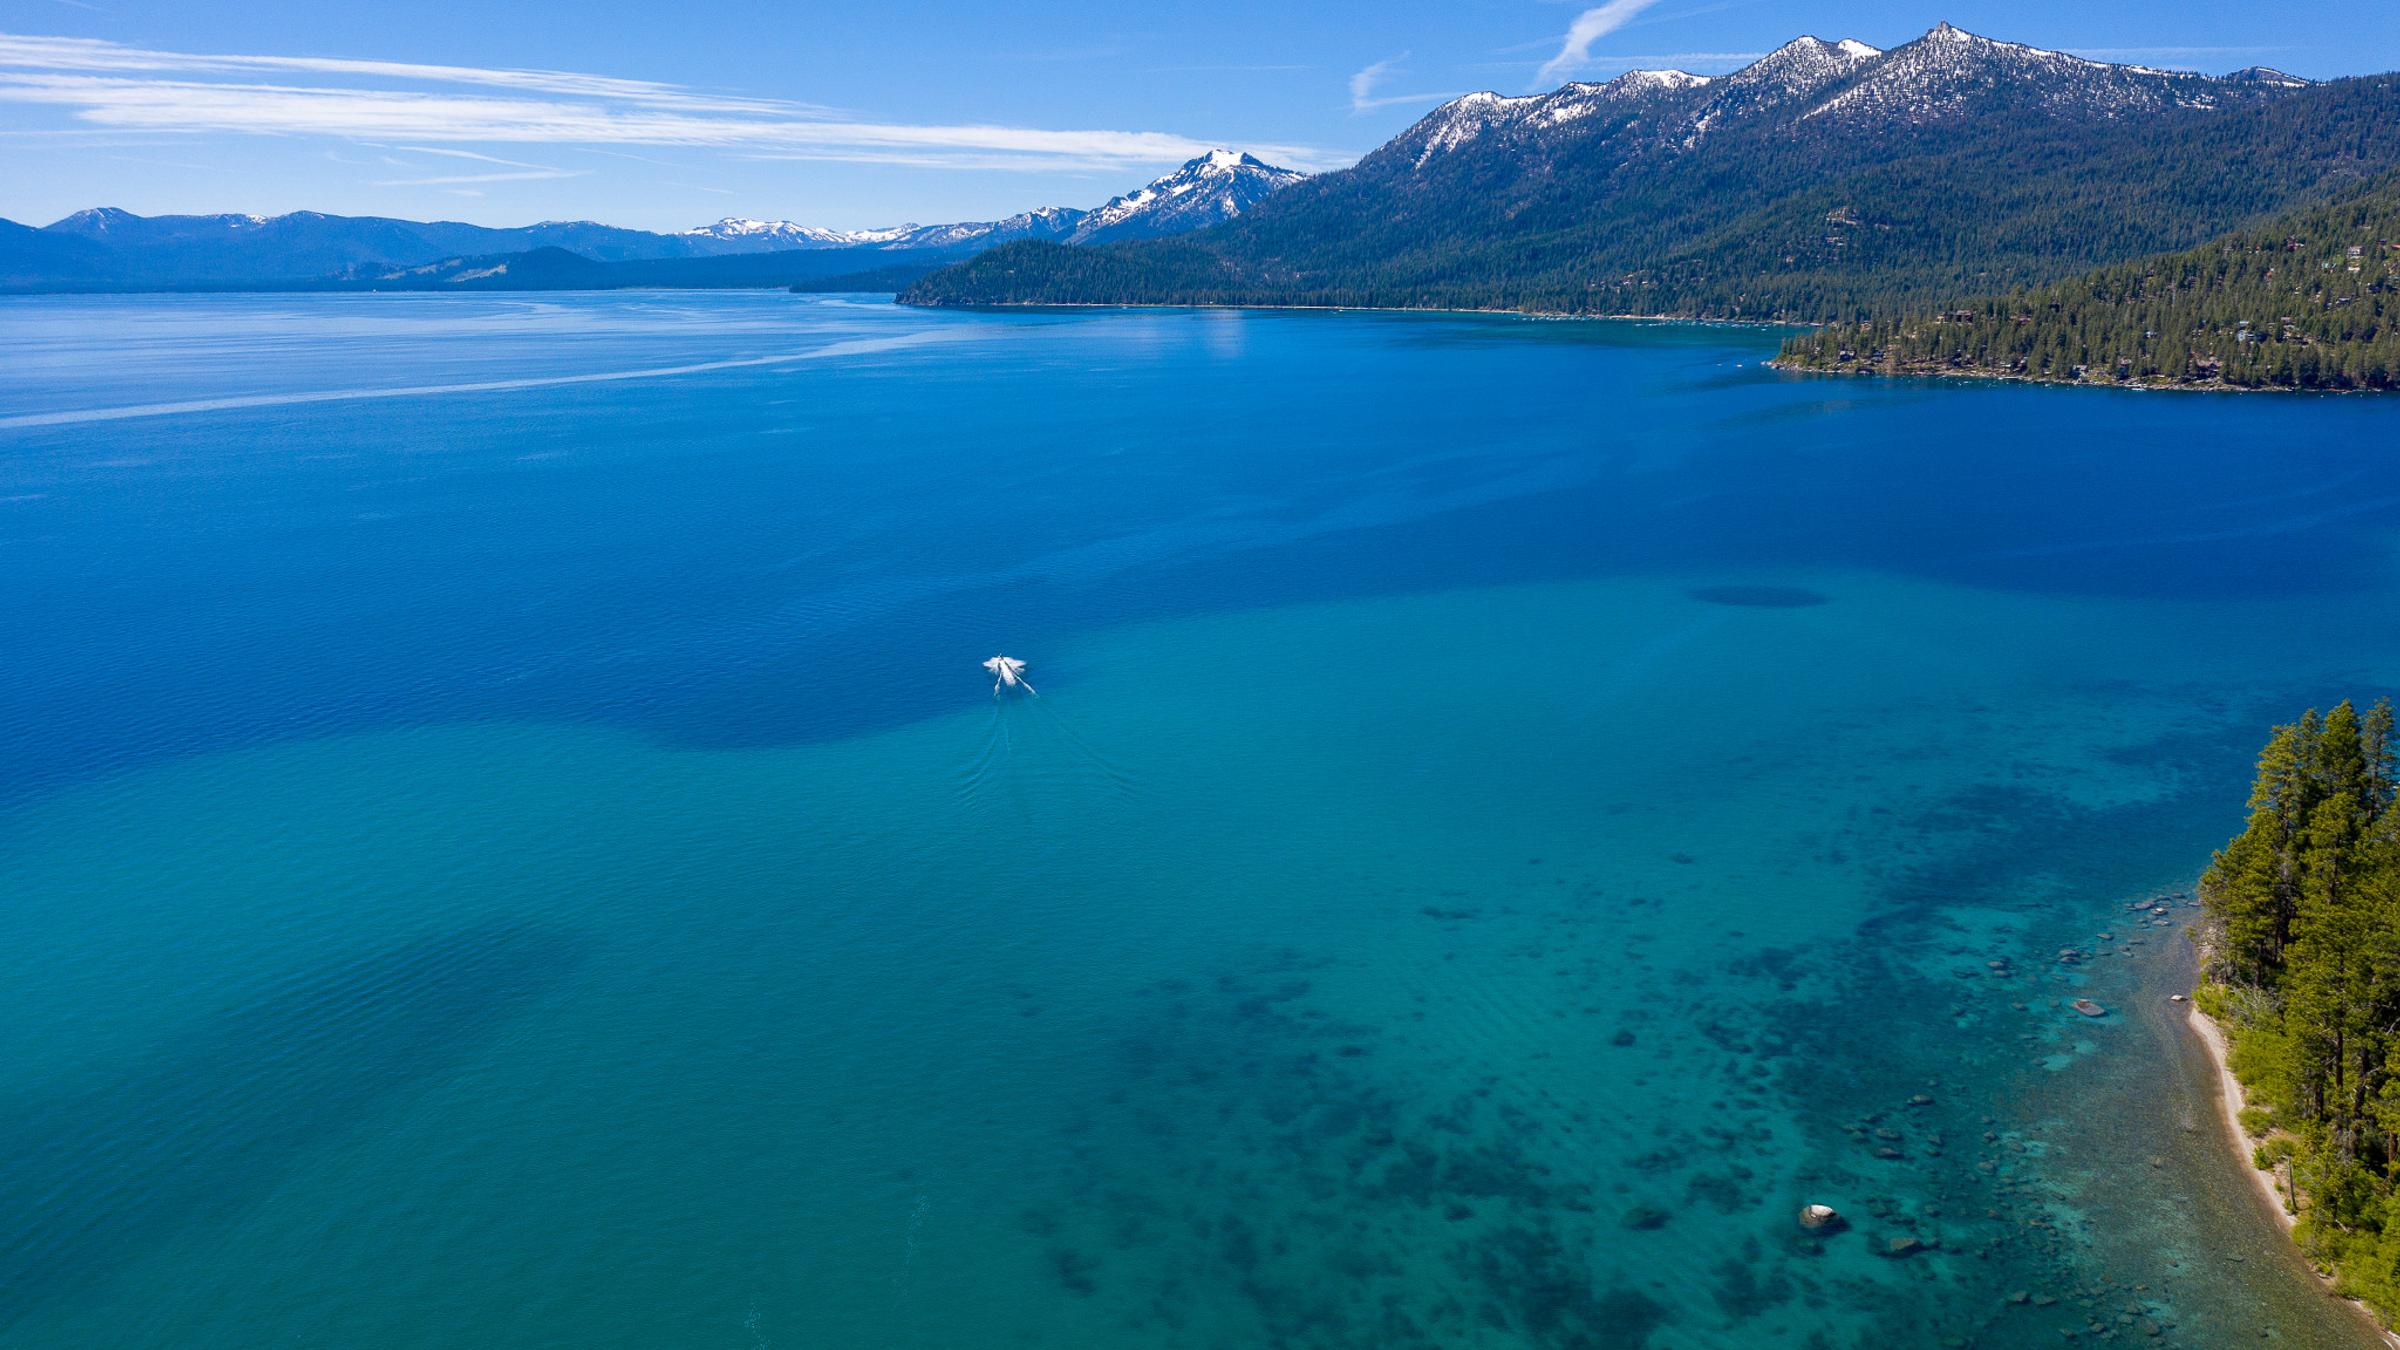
(505, 840)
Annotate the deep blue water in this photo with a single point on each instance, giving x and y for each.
(505, 840)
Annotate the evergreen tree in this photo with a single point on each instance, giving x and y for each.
(2304, 919)
(2308, 301)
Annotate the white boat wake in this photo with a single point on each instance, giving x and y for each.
(1009, 672)
(1029, 747)
(852, 347)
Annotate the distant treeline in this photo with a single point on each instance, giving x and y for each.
(2311, 301)
(2302, 964)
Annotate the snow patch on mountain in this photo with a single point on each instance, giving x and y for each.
(765, 235)
(1464, 119)
(1660, 79)
(1796, 70)
(1943, 73)
(1810, 81)
(2269, 76)
(1049, 222)
(1214, 187)
(1802, 65)
(1474, 116)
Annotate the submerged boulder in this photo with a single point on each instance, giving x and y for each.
(1822, 1219)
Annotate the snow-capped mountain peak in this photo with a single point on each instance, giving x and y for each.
(1796, 70)
(1467, 118)
(1950, 70)
(1210, 188)
(114, 223)
(2269, 76)
(1824, 86)
(1804, 64)
(94, 221)
(882, 234)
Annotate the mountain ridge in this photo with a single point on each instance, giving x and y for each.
(1816, 181)
(1201, 191)
(112, 248)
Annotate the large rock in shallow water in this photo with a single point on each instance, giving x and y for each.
(1821, 1219)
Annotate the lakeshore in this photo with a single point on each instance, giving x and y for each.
(1993, 375)
(2231, 1099)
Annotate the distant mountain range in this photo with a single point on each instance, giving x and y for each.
(1209, 190)
(109, 249)
(1828, 180)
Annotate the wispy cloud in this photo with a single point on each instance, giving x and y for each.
(1669, 60)
(1114, 49)
(503, 170)
(1243, 69)
(1288, 155)
(627, 154)
(107, 85)
(1593, 24)
(443, 180)
(20, 51)
(476, 155)
(166, 163)
(1362, 84)
(1365, 84)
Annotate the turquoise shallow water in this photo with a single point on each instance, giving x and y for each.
(1515, 810)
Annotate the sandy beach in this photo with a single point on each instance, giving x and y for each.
(2230, 1102)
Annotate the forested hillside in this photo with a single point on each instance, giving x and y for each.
(1840, 189)
(2311, 301)
(2302, 959)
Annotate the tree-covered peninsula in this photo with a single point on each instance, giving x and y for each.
(2301, 966)
(2310, 300)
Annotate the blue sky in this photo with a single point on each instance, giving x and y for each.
(505, 112)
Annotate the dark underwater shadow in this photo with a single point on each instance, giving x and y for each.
(91, 1183)
(1760, 597)
(686, 630)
